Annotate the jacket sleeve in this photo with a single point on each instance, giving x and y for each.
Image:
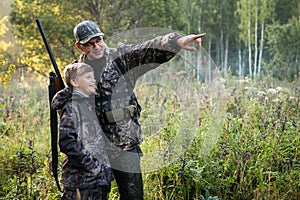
(149, 54)
(69, 143)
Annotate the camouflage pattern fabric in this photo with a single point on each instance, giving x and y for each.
(82, 141)
(121, 67)
(97, 193)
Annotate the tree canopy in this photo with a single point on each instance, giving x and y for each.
(241, 35)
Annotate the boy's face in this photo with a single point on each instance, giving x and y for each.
(85, 83)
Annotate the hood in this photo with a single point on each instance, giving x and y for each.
(60, 98)
(65, 95)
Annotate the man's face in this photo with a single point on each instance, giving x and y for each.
(94, 49)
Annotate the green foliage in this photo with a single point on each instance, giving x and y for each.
(60, 17)
(5, 76)
(224, 22)
(4, 45)
(24, 136)
(58, 25)
(283, 5)
(5, 69)
(284, 47)
(256, 156)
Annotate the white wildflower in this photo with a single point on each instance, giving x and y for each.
(241, 81)
(266, 98)
(253, 89)
(272, 91)
(279, 89)
(291, 98)
(276, 100)
(261, 94)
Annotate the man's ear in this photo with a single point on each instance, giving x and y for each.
(78, 46)
(74, 83)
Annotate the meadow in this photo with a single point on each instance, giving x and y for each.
(231, 139)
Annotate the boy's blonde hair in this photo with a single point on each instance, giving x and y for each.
(74, 70)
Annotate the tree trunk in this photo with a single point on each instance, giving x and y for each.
(226, 51)
(244, 55)
(217, 59)
(222, 50)
(249, 40)
(255, 40)
(200, 17)
(198, 63)
(240, 58)
(221, 38)
(199, 55)
(261, 46)
(209, 60)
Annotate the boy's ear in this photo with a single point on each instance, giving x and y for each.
(73, 83)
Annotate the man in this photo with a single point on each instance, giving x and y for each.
(116, 71)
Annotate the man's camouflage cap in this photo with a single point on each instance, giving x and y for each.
(86, 30)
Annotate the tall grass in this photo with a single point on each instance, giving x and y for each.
(255, 155)
(24, 138)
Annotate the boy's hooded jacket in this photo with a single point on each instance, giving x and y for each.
(82, 141)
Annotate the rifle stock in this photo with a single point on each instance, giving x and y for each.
(56, 84)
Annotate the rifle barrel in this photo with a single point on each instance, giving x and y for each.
(48, 49)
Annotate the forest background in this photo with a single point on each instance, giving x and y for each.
(254, 45)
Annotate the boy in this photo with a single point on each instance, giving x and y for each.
(86, 172)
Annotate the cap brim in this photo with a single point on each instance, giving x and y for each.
(91, 37)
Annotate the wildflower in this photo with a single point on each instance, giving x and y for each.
(276, 100)
(261, 94)
(279, 89)
(272, 91)
(241, 81)
(251, 89)
(291, 98)
(266, 98)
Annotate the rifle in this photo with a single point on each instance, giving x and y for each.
(56, 84)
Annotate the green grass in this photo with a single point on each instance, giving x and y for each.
(240, 142)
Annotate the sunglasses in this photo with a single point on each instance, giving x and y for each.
(92, 44)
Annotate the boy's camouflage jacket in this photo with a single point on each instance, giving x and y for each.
(82, 141)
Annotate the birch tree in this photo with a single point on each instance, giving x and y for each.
(255, 39)
(244, 13)
(252, 14)
(266, 12)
